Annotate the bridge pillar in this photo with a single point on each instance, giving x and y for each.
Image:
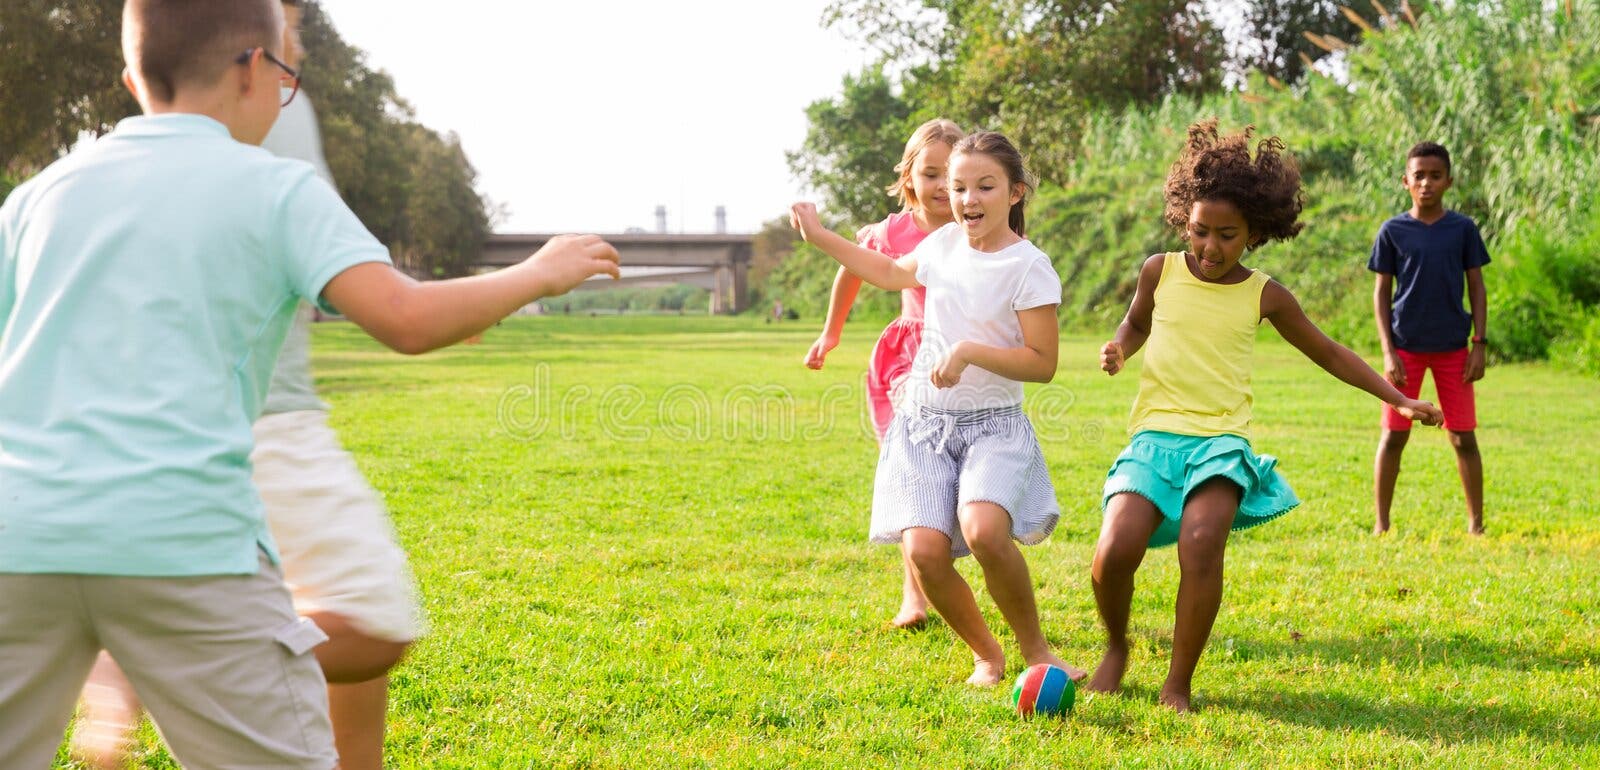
(741, 292)
(719, 291)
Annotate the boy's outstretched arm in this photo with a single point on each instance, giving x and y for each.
(414, 317)
(1478, 359)
(1283, 310)
(880, 270)
(1135, 327)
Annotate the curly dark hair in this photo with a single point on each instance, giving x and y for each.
(1266, 189)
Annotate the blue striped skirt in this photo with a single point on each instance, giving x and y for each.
(934, 461)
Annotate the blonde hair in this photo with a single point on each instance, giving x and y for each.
(934, 131)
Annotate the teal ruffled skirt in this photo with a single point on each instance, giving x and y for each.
(1166, 467)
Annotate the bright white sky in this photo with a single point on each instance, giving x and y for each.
(584, 116)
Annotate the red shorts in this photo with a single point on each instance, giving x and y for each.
(1455, 396)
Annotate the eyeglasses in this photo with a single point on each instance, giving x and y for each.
(292, 76)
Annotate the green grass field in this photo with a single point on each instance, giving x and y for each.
(641, 543)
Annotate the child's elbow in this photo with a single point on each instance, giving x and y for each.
(401, 334)
(409, 343)
(413, 346)
(1045, 371)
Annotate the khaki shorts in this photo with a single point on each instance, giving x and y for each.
(223, 664)
(338, 547)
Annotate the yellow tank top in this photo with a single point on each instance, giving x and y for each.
(1197, 361)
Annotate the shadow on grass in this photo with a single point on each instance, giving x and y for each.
(1448, 722)
(1402, 649)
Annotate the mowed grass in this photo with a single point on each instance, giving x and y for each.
(641, 542)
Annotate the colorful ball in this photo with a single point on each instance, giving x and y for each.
(1043, 689)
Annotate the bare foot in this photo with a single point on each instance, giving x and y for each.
(1108, 675)
(913, 614)
(1177, 701)
(1073, 672)
(1475, 529)
(987, 673)
(1379, 530)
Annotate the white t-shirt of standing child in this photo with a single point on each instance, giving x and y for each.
(975, 295)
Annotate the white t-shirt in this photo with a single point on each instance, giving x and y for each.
(975, 295)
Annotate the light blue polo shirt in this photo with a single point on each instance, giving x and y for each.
(146, 284)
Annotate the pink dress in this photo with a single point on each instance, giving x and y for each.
(897, 347)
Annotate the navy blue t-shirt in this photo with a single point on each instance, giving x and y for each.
(1430, 264)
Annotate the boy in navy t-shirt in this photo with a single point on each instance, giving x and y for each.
(1425, 259)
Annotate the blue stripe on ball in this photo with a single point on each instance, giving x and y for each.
(1051, 691)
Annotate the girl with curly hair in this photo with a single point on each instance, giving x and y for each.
(1189, 476)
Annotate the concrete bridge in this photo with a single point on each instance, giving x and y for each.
(717, 261)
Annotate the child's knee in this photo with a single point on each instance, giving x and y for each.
(928, 553)
(1206, 537)
(1120, 549)
(1465, 442)
(1393, 440)
(351, 655)
(1201, 546)
(987, 529)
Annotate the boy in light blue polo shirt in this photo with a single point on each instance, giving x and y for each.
(146, 284)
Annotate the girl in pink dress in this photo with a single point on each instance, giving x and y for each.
(922, 193)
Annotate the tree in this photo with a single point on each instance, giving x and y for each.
(852, 146)
(411, 187)
(60, 75)
(445, 224)
(1029, 67)
(1276, 32)
(1275, 39)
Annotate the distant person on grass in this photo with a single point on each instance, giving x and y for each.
(341, 560)
(1190, 475)
(960, 470)
(1424, 259)
(147, 282)
(925, 201)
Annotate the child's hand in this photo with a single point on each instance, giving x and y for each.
(1420, 411)
(803, 217)
(819, 351)
(949, 370)
(1111, 358)
(1394, 370)
(1477, 361)
(568, 260)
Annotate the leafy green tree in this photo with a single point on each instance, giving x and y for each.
(411, 187)
(1031, 67)
(1276, 42)
(445, 224)
(60, 76)
(852, 146)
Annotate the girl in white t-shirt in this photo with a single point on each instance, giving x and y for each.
(960, 470)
